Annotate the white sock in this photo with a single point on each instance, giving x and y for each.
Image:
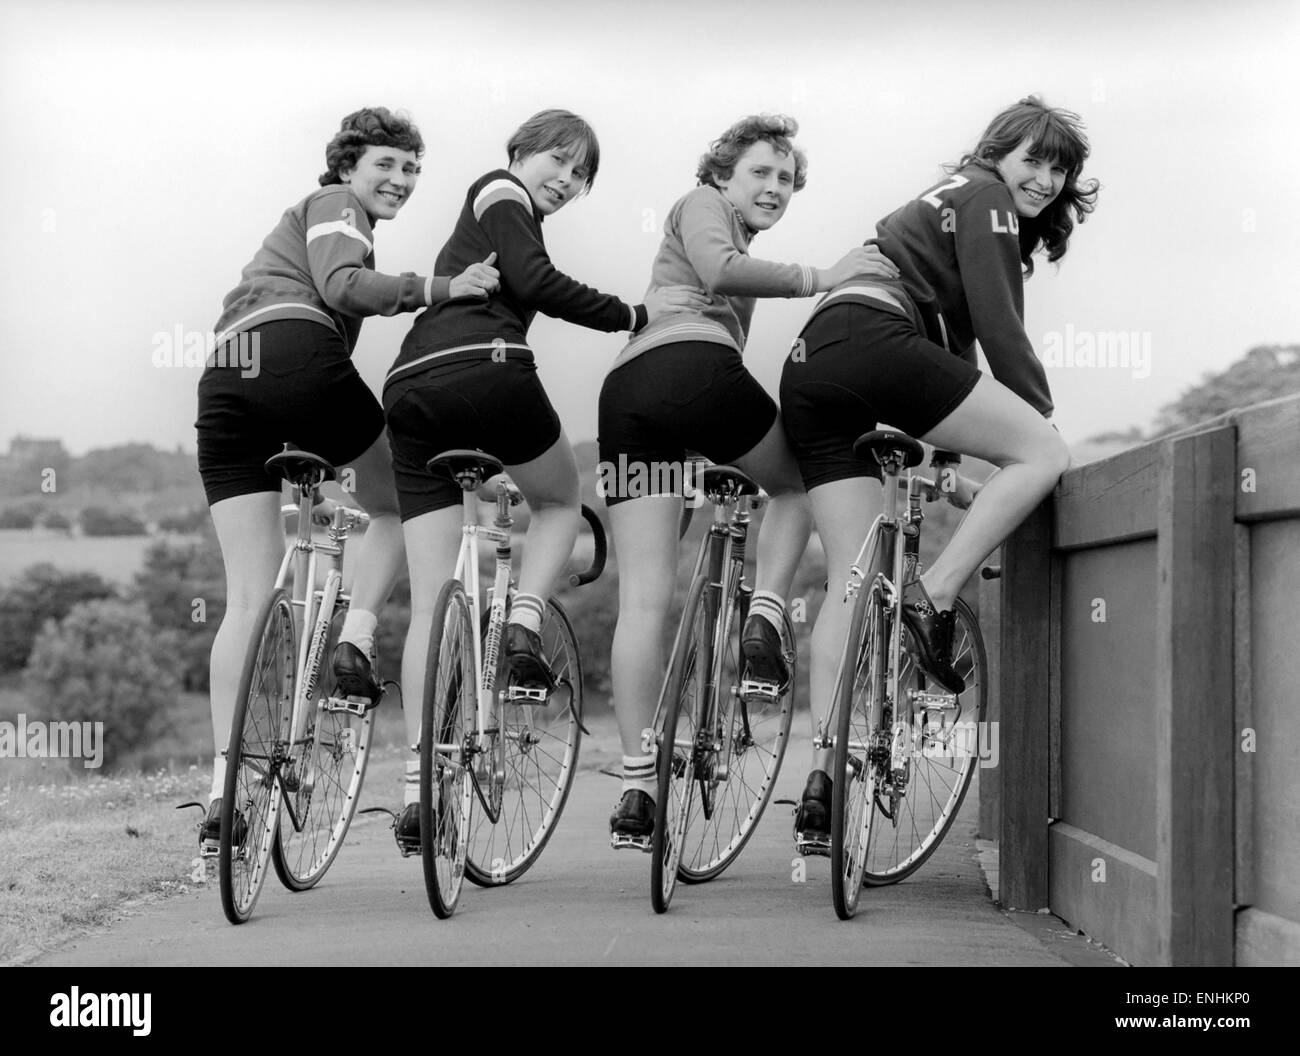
(770, 607)
(218, 777)
(411, 784)
(359, 629)
(639, 774)
(526, 611)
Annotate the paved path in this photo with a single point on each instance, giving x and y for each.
(585, 904)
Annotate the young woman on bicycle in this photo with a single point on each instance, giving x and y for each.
(298, 307)
(465, 378)
(902, 352)
(681, 385)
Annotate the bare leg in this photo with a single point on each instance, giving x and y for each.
(787, 523)
(379, 553)
(550, 484)
(993, 423)
(844, 510)
(432, 542)
(251, 535)
(645, 543)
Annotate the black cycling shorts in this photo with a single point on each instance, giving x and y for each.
(499, 408)
(863, 366)
(690, 396)
(300, 388)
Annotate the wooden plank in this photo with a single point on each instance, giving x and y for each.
(1194, 692)
(1268, 444)
(1054, 687)
(1109, 501)
(1265, 940)
(1105, 891)
(1243, 719)
(1024, 729)
(990, 778)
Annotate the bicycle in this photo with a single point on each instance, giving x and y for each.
(905, 752)
(297, 754)
(720, 737)
(512, 749)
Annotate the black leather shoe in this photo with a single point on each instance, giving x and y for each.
(932, 630)
(210, 830)
(406, 829)
(525, 660)
(634, 815)
(761, 644)
(353, 676)
(813, 818)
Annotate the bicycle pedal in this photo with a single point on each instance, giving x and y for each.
(350, 705)
(816, 845)
(408, 847)
(621, 842)
(525, 695)
(753, 689)
(209, 850)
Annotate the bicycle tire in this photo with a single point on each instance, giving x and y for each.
(336, 746)
(759, 732)
(678, 748)
(447, 719)
(936, 788)
(259, 733)
(540, 761)
(861, 679)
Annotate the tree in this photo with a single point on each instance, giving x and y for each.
(183, 588)
(1264, 373)
(41, 593)
(95, 520)
(105, 662)
(18, 517)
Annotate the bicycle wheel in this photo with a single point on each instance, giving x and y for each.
(447, 723)
(541, 753)
(329, 766)
(259, 735)
(859, 692)
(678, 746)
(757, 732)
(944, 752)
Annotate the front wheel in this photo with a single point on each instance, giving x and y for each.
(330, 764)
(948, 737)
(540, 743)
(753, 735)
(447, 724)
(259, 744)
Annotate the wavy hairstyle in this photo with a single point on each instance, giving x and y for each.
(557, 130)
(1056, 136)
(370, 126)
(777, 129)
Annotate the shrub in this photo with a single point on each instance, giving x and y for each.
(41, 593)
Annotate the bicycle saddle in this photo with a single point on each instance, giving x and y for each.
(885, 444)
(459, 461)
(300, 468)
(728, 481)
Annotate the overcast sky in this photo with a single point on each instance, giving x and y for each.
(151, 147)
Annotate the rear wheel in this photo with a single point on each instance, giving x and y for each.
(259, 744)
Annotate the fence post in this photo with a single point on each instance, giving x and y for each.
(1195, 850)
(1023, 697)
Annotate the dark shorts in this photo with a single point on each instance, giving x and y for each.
(864, 366)
(305, 391)
(498, 408)
(690, 396)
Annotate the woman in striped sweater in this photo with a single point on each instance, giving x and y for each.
(680, 385)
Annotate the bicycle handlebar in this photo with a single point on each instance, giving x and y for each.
(597, 566)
